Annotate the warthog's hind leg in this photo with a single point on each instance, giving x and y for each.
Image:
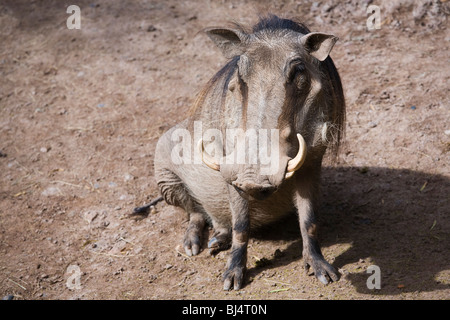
(176, 193)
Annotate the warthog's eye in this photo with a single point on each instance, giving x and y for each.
(296, 67)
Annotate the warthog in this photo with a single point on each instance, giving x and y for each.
(279, 80)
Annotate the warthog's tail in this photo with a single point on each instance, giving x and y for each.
(144, 210)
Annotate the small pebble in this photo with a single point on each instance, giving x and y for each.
(385, 95)
(8, 297)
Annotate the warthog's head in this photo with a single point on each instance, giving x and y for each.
(281, 95)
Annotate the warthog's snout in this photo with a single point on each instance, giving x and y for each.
(254, 190)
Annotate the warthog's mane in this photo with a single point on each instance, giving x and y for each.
(217, 86)
(273, 23)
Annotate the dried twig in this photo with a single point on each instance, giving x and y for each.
(278, 290)
(278, 282)
(67, 183)
(17, 284)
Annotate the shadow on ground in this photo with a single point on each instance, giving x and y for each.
(395, 219)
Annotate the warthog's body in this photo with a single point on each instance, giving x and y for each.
(277, 78)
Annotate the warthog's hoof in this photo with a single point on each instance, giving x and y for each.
(220, 241)
(233, 276)
(192, 242)
(323, 271)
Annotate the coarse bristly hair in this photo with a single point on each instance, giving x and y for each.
(265, 25)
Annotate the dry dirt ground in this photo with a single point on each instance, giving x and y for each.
(81, 112)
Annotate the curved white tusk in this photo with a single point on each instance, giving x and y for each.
(324, 133)
(206, 158)
(295, 164)
(289, 174)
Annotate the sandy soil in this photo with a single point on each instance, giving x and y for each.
(81, 112)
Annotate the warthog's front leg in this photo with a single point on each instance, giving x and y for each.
(236, 266)
(192, 237)
(312, 256)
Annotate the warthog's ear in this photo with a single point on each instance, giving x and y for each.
(318, 44)
(228, 40)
